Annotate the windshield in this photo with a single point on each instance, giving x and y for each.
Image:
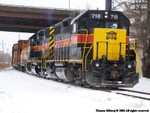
(111, 25)
(91, 24)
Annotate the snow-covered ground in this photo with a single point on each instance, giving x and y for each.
(23, 93)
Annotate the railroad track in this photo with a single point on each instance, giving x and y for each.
(125, 92)
(133, 93)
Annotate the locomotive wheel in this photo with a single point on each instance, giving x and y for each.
(37, 70)
(23, 68)
(93, 79)
(70, 74)
(78, 78)
(48, 71)
(28, 67)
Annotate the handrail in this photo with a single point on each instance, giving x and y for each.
(107, 47)
(137, 58)
(43, 61)
(84, 48)
(87, 55)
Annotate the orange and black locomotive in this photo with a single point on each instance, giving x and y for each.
(91, 47)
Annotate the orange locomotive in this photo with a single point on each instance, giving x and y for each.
(18, 57)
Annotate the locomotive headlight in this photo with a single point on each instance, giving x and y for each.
(106, 16)
(106, 12)
(96, 64)
(129, 66)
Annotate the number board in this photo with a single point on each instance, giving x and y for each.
(96, 15)
(102, 15)
(113, 16)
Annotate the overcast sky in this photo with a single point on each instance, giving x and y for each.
(9, 38)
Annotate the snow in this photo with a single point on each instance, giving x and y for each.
(23, 93)
(143, 85)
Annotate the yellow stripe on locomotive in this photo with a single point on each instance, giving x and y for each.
(110, 43)
(51, 42)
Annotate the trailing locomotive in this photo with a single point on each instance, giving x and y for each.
(91, 47)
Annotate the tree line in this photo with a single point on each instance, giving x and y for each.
(5, 60)
(138, 11)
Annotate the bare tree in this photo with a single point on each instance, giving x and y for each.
(5, 60)
(138, 11)
(2, 57)
(146, 49)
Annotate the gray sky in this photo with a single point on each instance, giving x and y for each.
(9, 38)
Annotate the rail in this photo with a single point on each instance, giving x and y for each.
(133, 93)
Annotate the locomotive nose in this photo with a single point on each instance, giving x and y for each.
(114, 74)
(110, 43)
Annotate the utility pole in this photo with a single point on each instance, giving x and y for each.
(2, 51)
(69, 4)
(108, 5)
(7, 50)
(8, 57)
(19, 37)
(113, 4)
(2, 46)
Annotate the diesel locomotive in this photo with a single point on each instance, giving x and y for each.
(91, 47)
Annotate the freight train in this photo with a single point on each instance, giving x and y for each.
(91, 47)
